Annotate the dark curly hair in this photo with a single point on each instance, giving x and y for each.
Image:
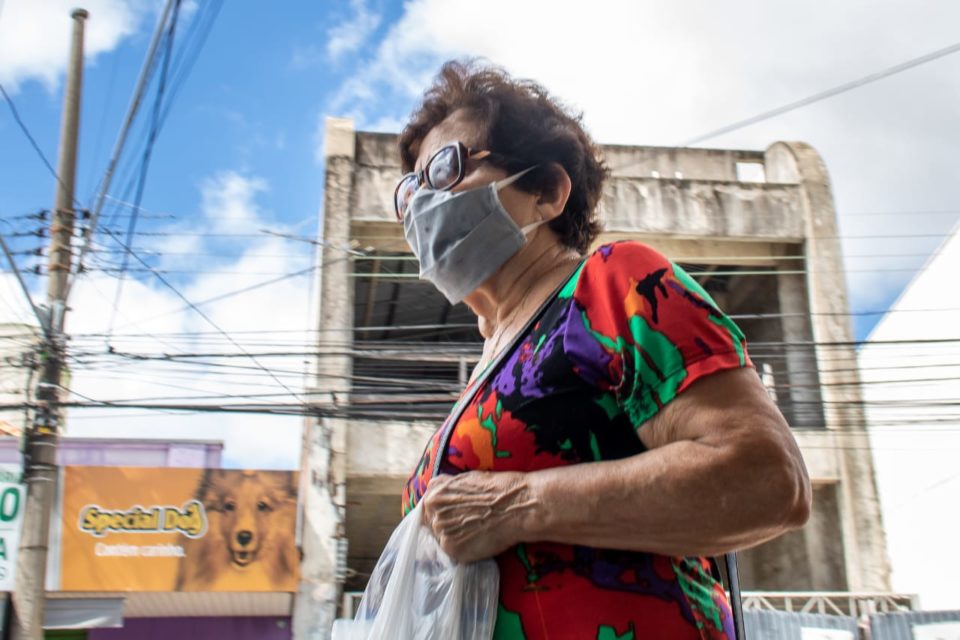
(524, 126)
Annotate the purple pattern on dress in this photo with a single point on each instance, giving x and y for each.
(504, 382)
(528, 361)
(531, 374)
(590, 360)
(726, 615)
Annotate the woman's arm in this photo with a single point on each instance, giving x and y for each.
(722, 472)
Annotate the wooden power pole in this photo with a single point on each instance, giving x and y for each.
(40, 447)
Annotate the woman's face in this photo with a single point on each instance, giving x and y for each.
(478, 173)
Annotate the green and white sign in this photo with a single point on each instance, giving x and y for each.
(12, 498)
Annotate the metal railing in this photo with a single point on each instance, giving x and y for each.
(839, 603)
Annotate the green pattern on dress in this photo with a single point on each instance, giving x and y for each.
(736, 336)
(491, 426)
(525, 561)
(568, 289)
(698, 592)
(608, 402)
(595, 447)
(646, 392)
(540, 342)
(649, 390)
(694, 287)
(606, 632)
(508, 625)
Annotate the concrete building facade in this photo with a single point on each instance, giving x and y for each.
(757, 228)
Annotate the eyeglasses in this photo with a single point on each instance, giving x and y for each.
(444, 170)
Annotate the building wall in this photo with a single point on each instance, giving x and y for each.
(251, 628)
(736, 210)
(103, 452)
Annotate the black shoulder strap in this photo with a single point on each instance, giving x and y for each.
(736, 606)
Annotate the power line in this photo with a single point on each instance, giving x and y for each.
(208, 234)
(181, 66)
(196, 38)
(411, 258)
(143, 81)
(145, 161)
(26, 132)
(203, 315)
(101, 127)
(41, 319)
(829, 93)
(236, 292)
(391, 411)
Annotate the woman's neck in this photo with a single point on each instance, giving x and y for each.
(521, 284)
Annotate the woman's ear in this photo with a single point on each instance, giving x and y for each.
(555, 192)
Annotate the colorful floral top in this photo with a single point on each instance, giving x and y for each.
(626, 334)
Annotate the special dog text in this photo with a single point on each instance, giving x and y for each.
(190, 520)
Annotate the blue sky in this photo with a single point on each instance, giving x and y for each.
(251, 105)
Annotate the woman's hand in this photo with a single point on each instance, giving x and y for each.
(477, 514)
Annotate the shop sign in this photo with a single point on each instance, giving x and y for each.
(12, 500)
(153, 529)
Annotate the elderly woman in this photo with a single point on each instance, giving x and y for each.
(614, 434)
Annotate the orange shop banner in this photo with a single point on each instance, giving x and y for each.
(150, 529)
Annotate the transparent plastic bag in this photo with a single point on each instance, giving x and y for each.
(416, 592)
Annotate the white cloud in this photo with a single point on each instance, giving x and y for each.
(228, 202)
(151, 321)
(348, 36)
(35, 36)
(914, 430)
(385, 124)
(14, 307)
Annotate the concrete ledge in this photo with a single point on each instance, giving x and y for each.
(820, 447)
(340, 138)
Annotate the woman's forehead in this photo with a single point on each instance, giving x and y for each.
(457, 127)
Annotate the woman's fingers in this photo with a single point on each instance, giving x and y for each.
(471, 514)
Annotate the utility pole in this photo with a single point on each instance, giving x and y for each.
(40, 447)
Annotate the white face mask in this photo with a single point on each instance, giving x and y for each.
(462, 238)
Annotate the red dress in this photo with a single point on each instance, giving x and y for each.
(626, 334)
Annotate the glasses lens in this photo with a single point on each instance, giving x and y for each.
(444, 168)
(408, 186)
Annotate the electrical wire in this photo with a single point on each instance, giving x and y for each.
(194, 41)
(26, 132)
(145, 161)
(236, 292)
(361, 240)
(104, 111)
(143, 82)
(203, 315)
(823, 95)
